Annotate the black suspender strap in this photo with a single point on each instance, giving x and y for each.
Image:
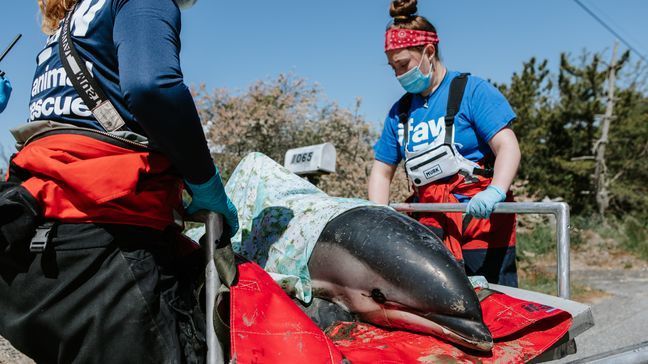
(404, 105)
(457, 88)
(85, 85)
(484, 172)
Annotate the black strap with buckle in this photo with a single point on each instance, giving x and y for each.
(42, 237)
(484, 293)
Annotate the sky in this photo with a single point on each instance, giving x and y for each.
(338, 44)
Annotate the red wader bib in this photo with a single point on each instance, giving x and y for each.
(79, 179)
(497, 232)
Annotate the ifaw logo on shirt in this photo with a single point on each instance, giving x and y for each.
(423, 134)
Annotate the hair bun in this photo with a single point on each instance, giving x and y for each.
(402, 9)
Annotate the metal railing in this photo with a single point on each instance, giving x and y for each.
(559, 209)
(213, 231)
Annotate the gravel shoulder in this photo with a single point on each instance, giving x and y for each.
(10, 355)
(621, 317)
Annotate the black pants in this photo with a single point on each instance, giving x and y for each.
(497, 265)
(104, 294)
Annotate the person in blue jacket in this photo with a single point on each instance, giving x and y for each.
(5, 92)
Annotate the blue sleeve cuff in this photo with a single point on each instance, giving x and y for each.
(382, 158)
(212, 184)
(493, 132)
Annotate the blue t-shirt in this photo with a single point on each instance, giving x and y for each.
(131, 48)
(483, 113)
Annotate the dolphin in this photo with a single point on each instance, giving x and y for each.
(389, 270)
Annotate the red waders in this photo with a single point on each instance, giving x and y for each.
(486, 246)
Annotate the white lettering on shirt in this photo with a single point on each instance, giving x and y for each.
(58, 106)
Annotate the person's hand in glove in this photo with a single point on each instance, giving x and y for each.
(5, 92)
(483, 203)
(211, 196)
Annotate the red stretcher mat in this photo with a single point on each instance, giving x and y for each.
(267, 327)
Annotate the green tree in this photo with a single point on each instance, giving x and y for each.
(529, 92)
(559, 123)
(628, 153)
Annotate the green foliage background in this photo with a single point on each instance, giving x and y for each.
(559, 120)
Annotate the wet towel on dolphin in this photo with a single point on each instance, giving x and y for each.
(281, 217)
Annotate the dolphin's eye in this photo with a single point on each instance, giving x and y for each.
(378, 296)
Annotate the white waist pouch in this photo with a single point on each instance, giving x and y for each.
(432, 165)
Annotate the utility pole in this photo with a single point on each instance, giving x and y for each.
(600, 173)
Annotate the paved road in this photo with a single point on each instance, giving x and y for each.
(621, 319)
(9, 355)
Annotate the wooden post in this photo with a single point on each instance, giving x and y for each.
(600, 173)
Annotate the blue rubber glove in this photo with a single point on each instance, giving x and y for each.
(211, 196)
(5, 93)
(483, 203)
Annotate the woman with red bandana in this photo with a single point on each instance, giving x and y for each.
(453, 131)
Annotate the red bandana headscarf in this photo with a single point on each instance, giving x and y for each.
(405, 38)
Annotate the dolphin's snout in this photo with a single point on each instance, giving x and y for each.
(473, 332)
(462, 331)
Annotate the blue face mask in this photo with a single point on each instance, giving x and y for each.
(414, 81)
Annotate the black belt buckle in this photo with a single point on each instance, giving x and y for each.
(42, 237)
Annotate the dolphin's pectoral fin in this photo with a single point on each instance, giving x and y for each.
(324, 313)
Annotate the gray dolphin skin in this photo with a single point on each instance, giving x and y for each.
(391, 271)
